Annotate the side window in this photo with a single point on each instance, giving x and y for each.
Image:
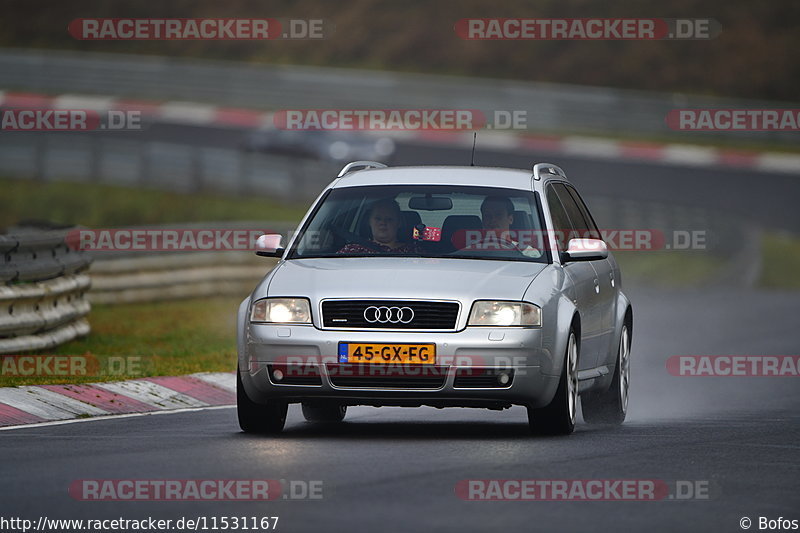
(594, 233)
(573, 211)
(561, 223)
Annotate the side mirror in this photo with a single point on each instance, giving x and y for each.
(269, 245)
(585, 250)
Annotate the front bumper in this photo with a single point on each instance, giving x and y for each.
(516, 352)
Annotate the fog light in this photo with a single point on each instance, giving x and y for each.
(277, 375)
(503, 378)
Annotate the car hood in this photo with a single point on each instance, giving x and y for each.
(403, 277)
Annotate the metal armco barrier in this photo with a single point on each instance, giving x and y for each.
(148, 278)
(550, 107)
(160, 165)
(124, 276)
(42, 290)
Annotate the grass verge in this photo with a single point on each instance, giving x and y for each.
(150, 339)
(96, 205)
(668, 268)
(780, 261)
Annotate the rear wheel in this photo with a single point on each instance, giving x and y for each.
(324, 413)
(258, 418)
(558, 418)
(611, 406)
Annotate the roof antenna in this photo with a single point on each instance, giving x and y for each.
(474, 140)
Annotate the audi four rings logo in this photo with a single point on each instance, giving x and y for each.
(390, 315)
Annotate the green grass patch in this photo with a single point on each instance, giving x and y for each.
(668, 268)
(780, 261)
(151, 339)
(96, 205)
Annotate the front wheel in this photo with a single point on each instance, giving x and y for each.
(611, 406)
(558, 418)
(257, 418)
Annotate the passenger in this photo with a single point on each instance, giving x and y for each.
(384, 221)
(497, 216)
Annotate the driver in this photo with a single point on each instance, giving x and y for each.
(384, 221)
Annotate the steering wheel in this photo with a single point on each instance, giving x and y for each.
(350, 237)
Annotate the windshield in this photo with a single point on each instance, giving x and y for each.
(424, 221)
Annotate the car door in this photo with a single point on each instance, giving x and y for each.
(608, 284)
(583, 277)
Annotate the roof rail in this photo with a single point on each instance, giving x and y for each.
(355, 164)
(547, 168)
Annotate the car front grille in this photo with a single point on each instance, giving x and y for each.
(387, 376)
(389, 314)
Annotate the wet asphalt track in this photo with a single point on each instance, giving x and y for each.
(395, 469)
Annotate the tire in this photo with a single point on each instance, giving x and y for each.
(324, 413)
(611, 406)
(257, 418)
(558, 418)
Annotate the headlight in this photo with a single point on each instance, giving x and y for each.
(490, 313)
(281, 311)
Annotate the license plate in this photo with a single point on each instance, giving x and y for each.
(372, 353)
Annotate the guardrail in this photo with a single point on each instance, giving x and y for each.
(42, 295)
(162, 165)
(176, 276)
(124, 276)
(550, 107)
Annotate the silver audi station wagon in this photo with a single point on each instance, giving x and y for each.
(440, 286)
